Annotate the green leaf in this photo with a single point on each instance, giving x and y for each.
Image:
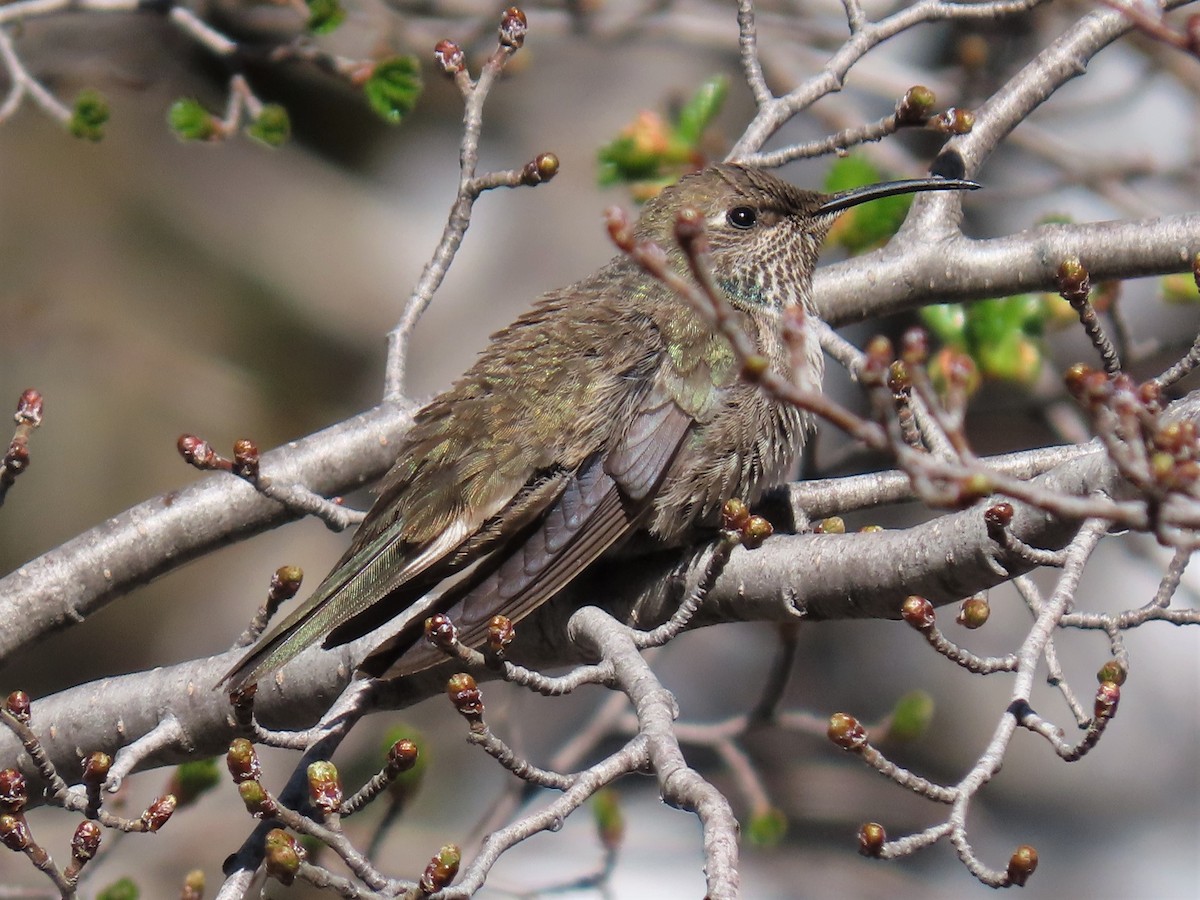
(393, 88)
(863, 227)
(767, 828)
(997, 319)
(191, 779)
(124, 889)
(1180, 288)
(697, 114)
(88, 116)
(609, 818)
(324, 16)
(947, 321)
(191, 121)
(1013, 357)
(851, 171)
(272, 126)
(911, 717)
(651, 152)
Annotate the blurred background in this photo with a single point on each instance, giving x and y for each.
(151, 287)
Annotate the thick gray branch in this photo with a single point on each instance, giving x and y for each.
(74, 580)
(908, 272)
(945, 560)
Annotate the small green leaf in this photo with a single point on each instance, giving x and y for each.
(609, 818)
(1180, 289)
(1013, 357)
(272, 126)
(651, 152)
(994, 320)
(88, 116)
(947, 321)
(767, 828)
(911, 717)
(703, 106)
(393, 88)
(191, 779)
(191, 121)
(324, 16)
(124, 889)
(864, 227)
(851, 171)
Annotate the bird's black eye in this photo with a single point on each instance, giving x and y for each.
(742, 216)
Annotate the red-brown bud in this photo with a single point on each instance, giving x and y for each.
(914, 346)
(29, 408)
(871, 838)
(1022, 864)
(325, 786)
(258, 802)
(1112, 671)
(18, 707)
(464, 693)
(242, 761)
(513, 28)
(879, 354)
(245, 459)
(158, 812)
(734, 515)
(282, 855)
(998, 516)
(755, 532)
(830, 525)
(918, 612)
(14, 831)
(95, 768)
(541, 168)
(1075, 377)
(402, 756)
(85, 842)
(1108, 695)
(14, 793)
(500, 633)
(847, 732)
(1074, 283)
(953, 121)
(17, 704)
(440, 631)
(916, 106)
(286, 582)
(193, 885)
(898, 379)
(449, 56)
(441, 869)
(973, 613)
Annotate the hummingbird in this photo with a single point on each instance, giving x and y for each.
(610, 409)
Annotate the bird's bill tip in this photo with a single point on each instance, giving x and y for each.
(854, 196)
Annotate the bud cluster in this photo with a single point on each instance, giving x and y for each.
(752, 531)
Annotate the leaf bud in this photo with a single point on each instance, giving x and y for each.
(1022, 864)
(513, 28)
(871, 838)
(324, 786)
(847, 732)
(242, 760)
(918, 612)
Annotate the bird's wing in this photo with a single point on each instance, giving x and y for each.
(603, 502)
(381, 574)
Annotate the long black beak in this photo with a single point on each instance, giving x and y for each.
(855, 196)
